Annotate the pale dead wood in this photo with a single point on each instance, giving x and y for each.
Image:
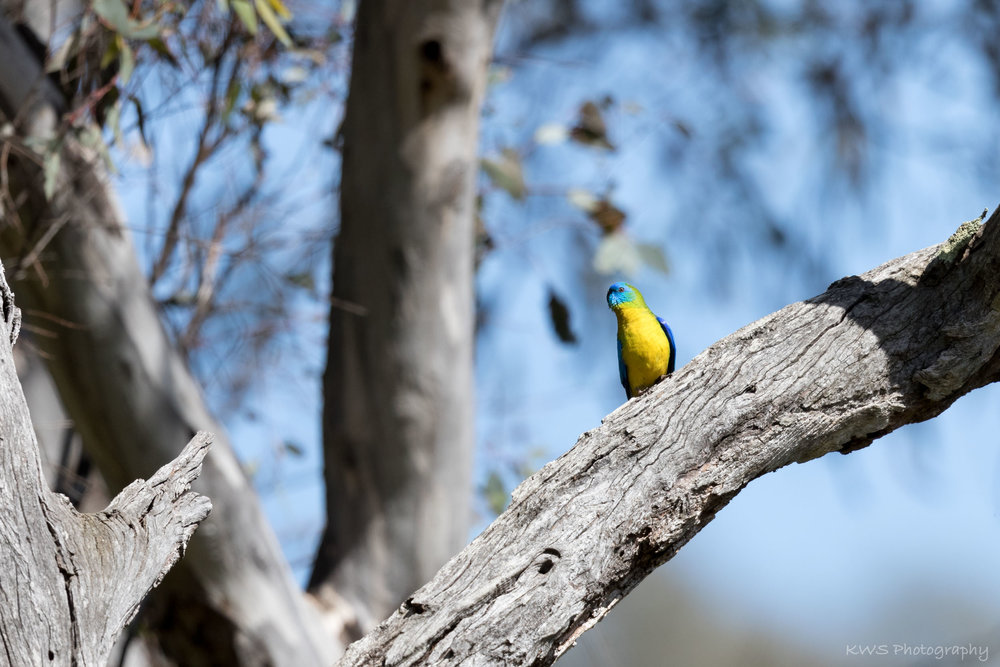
(71, 581)
(129, 391)
(896, 345)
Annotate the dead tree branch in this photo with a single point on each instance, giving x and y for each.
(73, 581)
(896, 345)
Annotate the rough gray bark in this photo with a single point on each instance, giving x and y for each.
(71, 581)
(896, 345)
(130, 394)
(398, 405)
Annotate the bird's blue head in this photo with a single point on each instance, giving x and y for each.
(622, 293)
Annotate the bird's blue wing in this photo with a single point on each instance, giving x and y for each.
(622, 371)
(673, 345)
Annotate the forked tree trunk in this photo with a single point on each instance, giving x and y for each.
(129, 392)
(70, 582)
(397, 419)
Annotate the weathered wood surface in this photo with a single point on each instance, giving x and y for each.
(129, 391)
(70, 582)
(896, 345)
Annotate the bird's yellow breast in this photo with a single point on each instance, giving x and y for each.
(645, 348)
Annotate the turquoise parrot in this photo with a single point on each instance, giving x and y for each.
(646, 348)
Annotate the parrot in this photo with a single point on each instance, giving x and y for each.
(646, 349)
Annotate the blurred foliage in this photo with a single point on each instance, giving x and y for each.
(726, 68)
(700, 102)
(495, 493)
(504, 474)
(225, 270)
(559, 315)
(196, 100)
(185, 94)
(197, 96)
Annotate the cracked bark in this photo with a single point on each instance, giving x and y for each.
(129, 392)
(896, 345)
(71, 581)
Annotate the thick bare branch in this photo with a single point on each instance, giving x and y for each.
(73, 581)
(896, 345)
(133, 399)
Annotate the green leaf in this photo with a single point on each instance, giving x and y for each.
(653, 257)
(50, 171)
(104, 104)
(495, 493)
(302, 279)
(126, 63)
(113, 120)
(161, 48)
(559, 315)
(280, 9)
(617, 253)
(91, 136)
(269, 18)
(110, 53)
(115, 14)
(505, 172)
(57, 61)
(143, 32)
(244, 10)
(232, 95)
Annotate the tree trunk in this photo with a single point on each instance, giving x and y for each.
(71, 581)
(398, 429)
(67, 466)
(897, 345)
(130, 394)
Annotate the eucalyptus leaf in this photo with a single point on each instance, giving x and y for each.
(269, 18)
(126, 62)
(244, 10)
(617, 253)
(115, 14)
(495, 493)
(505, 172)
(653, 257)
(50, 172)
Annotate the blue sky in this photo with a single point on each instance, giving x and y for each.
(820, 554)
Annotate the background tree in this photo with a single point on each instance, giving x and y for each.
(397, 414)
(75, 264)
(113, 328)
(697, 109)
